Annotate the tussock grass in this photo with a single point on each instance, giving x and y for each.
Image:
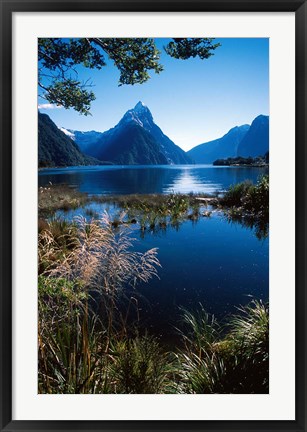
(74, 341)
(235, 362)
(70, 341)
(139, 366)
(78, 354)
(88, 270)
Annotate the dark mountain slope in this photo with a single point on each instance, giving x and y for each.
(57, 149)
(135, 139)
(129, 146)
(83, 139)
(256, 141)
(224, 147)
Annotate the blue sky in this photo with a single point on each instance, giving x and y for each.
(193, 101)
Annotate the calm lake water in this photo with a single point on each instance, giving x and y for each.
(149, 179)
(212, 261)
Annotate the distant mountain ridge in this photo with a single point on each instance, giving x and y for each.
(240, 141)
(82, 139)
(256, 141)
(55, 148)
(226, 146)
(136, 139)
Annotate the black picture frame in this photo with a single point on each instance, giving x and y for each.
(7, 10)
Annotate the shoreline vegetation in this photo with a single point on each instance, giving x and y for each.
(88, 274)
(244, 202)
(257, 162)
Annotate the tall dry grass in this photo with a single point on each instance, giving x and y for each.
(86, 269)
(74, 339)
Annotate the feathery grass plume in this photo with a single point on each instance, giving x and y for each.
(73, 342)
(103, 258)
(55, 238)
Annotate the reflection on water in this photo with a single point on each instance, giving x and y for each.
(211, 261)
(216, 261)
(146, 179)
(260, 226)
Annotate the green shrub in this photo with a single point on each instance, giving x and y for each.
(256, 198)
(236, 193)
(248, 204)
(140, 366)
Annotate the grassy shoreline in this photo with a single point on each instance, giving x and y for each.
(63, 197)
(245, 203)
(88, 267)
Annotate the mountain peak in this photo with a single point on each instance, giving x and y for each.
(135, 139)
(142, 110)
(236, 129)
(220, 148)
(256, 141)
(261, 119)
(140, 115)
(140, 106)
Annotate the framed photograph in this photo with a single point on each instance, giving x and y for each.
(153, 218)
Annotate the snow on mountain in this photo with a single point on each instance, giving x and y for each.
(67, 132)
(140, 115)
(56, 148)
(137, 131)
